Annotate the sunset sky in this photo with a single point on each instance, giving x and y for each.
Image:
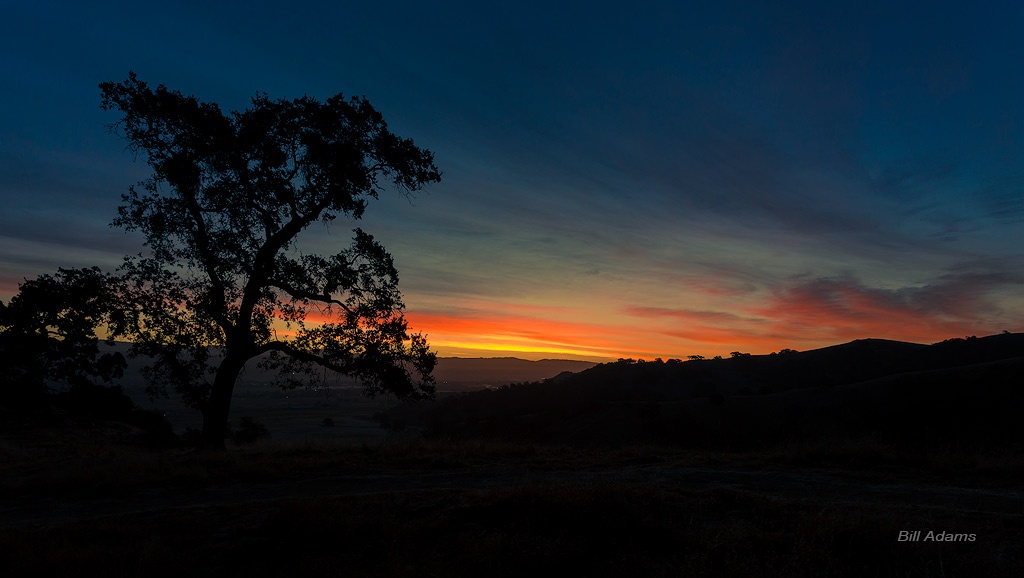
(630, 179)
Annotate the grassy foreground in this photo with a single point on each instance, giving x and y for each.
(474, 523)
(609, 530)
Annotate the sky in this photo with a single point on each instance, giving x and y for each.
(631, 179)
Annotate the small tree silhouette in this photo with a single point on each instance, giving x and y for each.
(48, 336)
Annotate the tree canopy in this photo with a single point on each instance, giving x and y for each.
(223, 280)
(48, 336)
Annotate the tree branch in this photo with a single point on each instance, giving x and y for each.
(218, 290)
(297, 293)
(263, 262)
(301, 355)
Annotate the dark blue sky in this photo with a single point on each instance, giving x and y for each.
(632, 179)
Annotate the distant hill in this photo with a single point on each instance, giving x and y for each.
(961, 390)
(458, 373)
(286, 412)
(852, 362)
(451, 373)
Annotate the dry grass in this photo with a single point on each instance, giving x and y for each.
(594, 526)
(573, 530)
(870, 457)
(96, 461)
(95, 458)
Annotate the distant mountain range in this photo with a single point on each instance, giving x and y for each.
(451, 373)
(458, 373)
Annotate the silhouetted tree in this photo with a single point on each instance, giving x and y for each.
(221, 213)
(48, 336)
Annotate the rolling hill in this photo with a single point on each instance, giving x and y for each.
(959, 390)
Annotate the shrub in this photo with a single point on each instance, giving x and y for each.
(249, 431)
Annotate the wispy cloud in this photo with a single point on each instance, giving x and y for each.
(832, 309)
(814, 312)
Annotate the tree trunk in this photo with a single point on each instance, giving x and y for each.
(215, 417)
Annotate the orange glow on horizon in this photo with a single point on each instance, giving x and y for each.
(801, 318)
(517, 335)
(813, 315)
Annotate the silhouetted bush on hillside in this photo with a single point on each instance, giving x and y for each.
(248, 431)
(111, 404)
